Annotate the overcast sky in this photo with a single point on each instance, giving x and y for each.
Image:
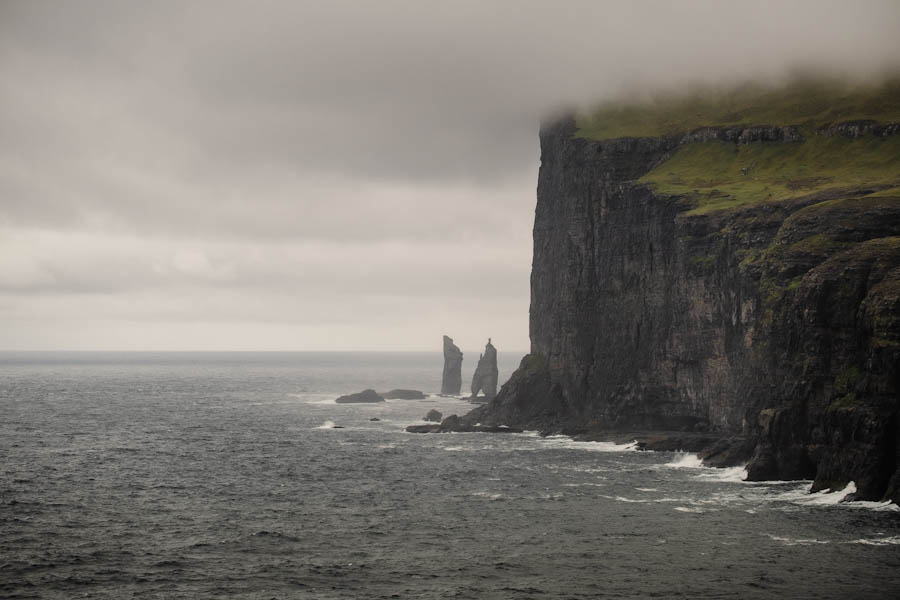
(327, 175)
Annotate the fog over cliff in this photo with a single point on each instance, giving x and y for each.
(293, 175)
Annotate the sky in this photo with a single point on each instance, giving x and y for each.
(266, 175)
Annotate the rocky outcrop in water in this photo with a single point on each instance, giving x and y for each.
(451, 381)
(774, 328)
(433, 415)
(486, 373)
(365, 396)
(401, 394)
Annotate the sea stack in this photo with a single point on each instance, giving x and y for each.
(452, 379)
(486, 373)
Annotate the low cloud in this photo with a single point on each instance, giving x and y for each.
(298, 160)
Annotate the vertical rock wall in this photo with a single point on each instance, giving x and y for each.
(451, 381)
(776, 322)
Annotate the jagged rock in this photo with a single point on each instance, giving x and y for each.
(432, 428)
(365, 396)
(451, 382)
(401, 394)
(859, 128)
(486, 373)
(456, 424)
(433, 415)
(744, 135)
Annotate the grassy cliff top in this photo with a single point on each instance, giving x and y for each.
(809, 103)
(720, 175)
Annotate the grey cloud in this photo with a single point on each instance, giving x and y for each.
(297, 145)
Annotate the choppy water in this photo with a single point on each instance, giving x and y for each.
(203, 475)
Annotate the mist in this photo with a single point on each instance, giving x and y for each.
(302, 176)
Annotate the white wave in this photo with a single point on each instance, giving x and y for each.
(564, 441)
(326, 425)
(893, 540)
(796, 541)
(623, 499)
(646, 489)
(802, 497)
(584, 485)
(686, 461)
(688, 509)
(886, 506)
(736, 474)
(826, 497)
(328, 400)
(489, 495)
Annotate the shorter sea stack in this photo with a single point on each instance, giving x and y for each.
(451, 382)
(365, 396)
(486, 373)
(434, 415)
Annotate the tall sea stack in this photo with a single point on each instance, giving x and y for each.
(452, 379)
(486, 373)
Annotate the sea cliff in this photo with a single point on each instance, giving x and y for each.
(736, 280)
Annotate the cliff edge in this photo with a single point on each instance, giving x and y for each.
(723, 277)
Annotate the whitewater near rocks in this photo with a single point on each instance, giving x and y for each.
(232, 475)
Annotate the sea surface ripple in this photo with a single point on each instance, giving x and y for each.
(218, 475)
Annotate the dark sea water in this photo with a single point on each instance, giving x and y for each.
(216, 476)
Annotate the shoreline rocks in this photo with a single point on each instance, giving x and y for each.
(364, 397)
(401, 394)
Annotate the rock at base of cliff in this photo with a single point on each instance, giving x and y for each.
(432, 428)
(454, 424)
(363, 397)
(434, 415)
(401, 394)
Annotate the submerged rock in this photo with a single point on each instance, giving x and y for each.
(451, 382)
(434, 415)
(401, 394)
(486, 373)
(365, 396)
(433, 428)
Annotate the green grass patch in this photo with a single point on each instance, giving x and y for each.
(719, 175)
(808, 102)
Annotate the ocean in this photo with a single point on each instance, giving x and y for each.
(234, 475)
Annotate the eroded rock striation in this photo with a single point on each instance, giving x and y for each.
(451, 382)
(769, 331)
(486, 373)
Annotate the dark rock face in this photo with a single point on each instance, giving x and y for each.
(774, 328)
(401, 394)
(434, 415)
(451, 382)
(364, 396)
(861, 127)
(486, 373)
